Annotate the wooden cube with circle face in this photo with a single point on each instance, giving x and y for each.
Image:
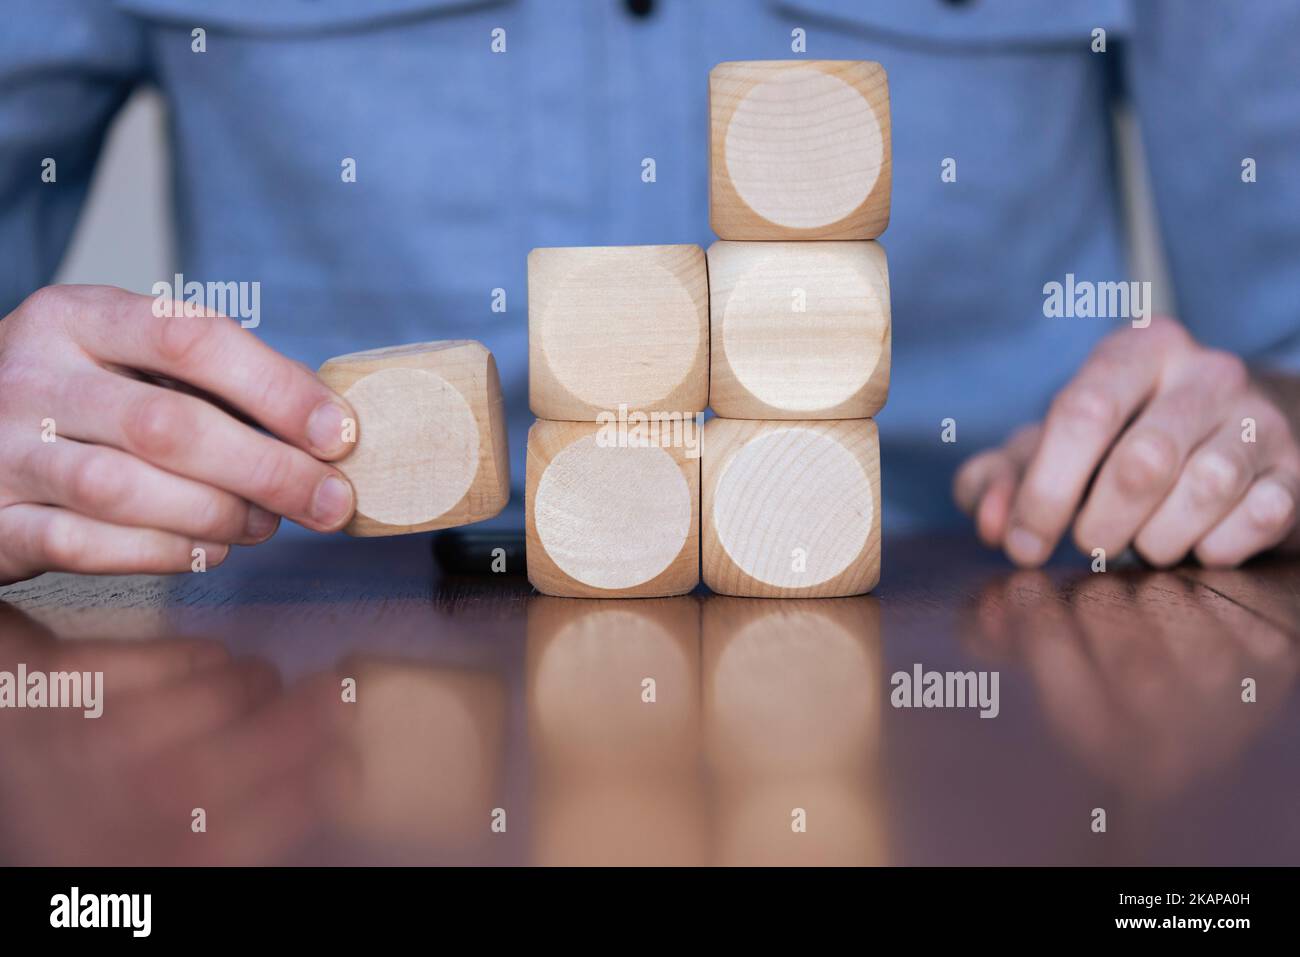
(799, 149)
(431, 447)
(799, 330)
(608, 518)
(791, 509)
(612, 326)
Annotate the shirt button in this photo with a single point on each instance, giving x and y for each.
(639, 8)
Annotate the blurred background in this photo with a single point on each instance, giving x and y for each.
(125, 236)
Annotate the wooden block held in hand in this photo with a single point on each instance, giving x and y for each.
(799, 330)
(617, 325)
(791, 509)
(431, 436)
(606, 521)
(799, 149)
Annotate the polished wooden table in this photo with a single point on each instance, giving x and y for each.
(493, 725)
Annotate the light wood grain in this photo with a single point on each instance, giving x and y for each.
(431, 446)
(609, 522)
(611, 325)
(791, 509)
(799, 149)
(799, 330)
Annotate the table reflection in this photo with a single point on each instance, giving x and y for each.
(429, 747)
(1140, 673)
(490, 725)
(792, 713)
(184, 726)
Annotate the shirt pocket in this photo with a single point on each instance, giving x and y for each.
(294, 17)
(1000, 25)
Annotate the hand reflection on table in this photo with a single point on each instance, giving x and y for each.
(1139, 673)
(184, 726)
(759, 710)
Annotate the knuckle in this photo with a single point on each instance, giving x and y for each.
(1083, 405)
(98, 482)
(1146, 462)
(1270, 420)
(1222, 369)
(22, 375)
(1166, 330)
(181, 340)
(46, 301)
(63, 543)
(1213, 476)
(157, 426)
(1040, 498)
(274, 388)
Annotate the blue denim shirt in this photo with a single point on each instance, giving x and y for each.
(467, 158)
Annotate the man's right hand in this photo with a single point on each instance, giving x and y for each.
(103, 470)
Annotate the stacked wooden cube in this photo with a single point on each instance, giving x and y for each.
(615, 331)
(786, 334)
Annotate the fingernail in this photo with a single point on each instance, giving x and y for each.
(261, 523)
(1024, 546)
(333, 501)
(325, 427)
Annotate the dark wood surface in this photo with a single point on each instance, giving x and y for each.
(1119, 691)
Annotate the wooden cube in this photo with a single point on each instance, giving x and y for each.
(799, 330)
(791, 509)
(617, 325)
(431, 436)
(799, 149)
(610, 520)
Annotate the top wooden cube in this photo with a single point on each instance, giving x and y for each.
(799, 149)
